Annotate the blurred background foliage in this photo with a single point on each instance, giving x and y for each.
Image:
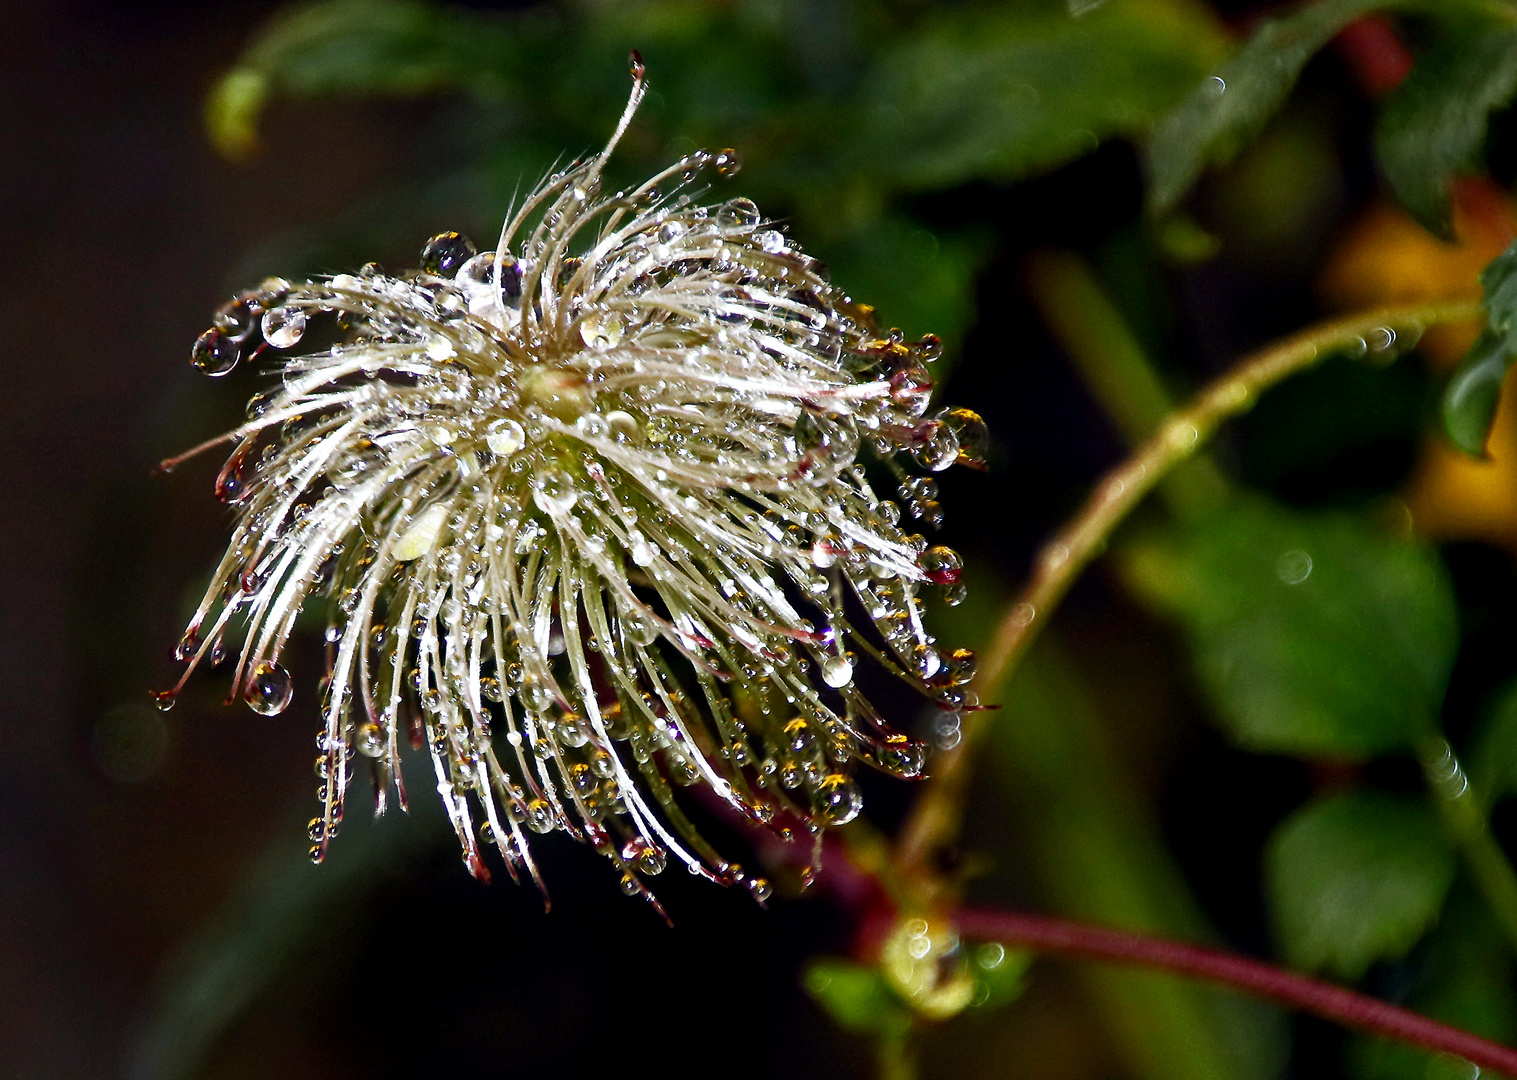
(1280, 715)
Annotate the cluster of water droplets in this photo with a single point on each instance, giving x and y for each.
(591, 517)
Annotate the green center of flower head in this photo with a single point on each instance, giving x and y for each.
(592, 516)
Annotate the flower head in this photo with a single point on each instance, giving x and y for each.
(590, 516)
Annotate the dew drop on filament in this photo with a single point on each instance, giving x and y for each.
(284, 326)
(214, 353)
(837, 672)
(837, 799)
(727, 163)
(232, 482)
(269, 689)
(370, 741)
(941, 565)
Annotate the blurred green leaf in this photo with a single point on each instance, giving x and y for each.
(1314, 634)
(1474, 390)
(1009, 90)
(999, 973)
(1458, 979)
(1434, 125)
(1097, 853)
(1356, 878)
(361, 47)
(1227, 109)
(857, 998)
(919, 280)
(1493, 758)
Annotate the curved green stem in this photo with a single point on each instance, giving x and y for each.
(1464, 819)
(935, 818)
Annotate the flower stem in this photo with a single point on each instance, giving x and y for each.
(1333, 1003)
(1467, 825)
(935, 818)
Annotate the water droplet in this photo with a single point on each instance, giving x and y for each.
(1216, 86)
(760, 889)
(232, 481)
(837, 672)
(727, 162)
(1381, 342)
(825, 551)
(236, 318)
(638, 547)
(940, 449)
(284, 326)
(269, 689)
(602, 329)
(1293, 567)
(738, 214)
(624, 427)
(650, 860)
(771, 240)
(490, 688)
(941, 565)
(837, 799)
(573, 731)
(534, 694)
(505, 437)
(553, 490)
(445, 253)
(370, 741)
(540, 816)
(835, 439)
(903, 758)
(972, 435)
(214, 353)
(439, 348)
(592, 426)
(639, 628)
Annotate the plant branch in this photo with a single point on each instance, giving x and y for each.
(1467, 825)
(935, 817)
(1044, 934)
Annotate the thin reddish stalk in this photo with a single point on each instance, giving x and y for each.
(1044, 934)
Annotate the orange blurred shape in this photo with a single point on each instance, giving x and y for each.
(1387, 258)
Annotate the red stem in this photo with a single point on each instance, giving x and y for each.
(1044, 934)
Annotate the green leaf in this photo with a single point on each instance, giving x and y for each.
(999, 973)
(856, 997)
(1227, 109)
(1356, 878)
(1474, 390)
(1464, 982)
(1313, 634)
(1434, 124)
(1493, 757)
(362, 47)
(918, 280)
(1004, 91)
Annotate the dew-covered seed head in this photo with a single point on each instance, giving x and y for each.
(596, 514)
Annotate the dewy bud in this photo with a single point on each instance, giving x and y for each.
(590, 515)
